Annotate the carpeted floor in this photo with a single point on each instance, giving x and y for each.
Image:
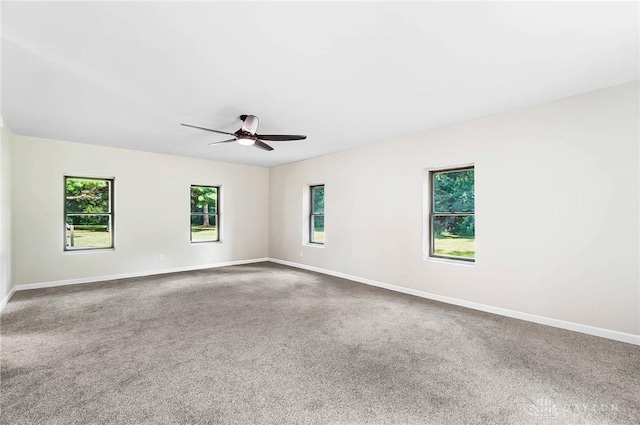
(268, 344)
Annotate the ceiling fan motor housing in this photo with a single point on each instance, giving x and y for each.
(250, 124)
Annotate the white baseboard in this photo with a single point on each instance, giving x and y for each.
(7, 298)
(136, 274)
(557, 323)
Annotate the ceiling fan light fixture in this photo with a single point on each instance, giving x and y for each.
(246, 141)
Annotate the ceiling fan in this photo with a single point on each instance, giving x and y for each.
(247, 134)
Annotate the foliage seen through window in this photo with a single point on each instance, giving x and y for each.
(205, 218)
(316, 219)
(453, 214)
(88, 213)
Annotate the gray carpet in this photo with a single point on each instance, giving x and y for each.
(268, 344)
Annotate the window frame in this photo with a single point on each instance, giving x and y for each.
(217, 214)
(111, 214)
(312, 215)
(432, 213)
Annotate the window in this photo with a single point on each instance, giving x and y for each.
(205, 214)
(88, 213)
(452, 219)
(316, 218)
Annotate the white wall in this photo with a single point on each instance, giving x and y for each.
(557, 229)
(6, 144)
(151, 211)
(557, 221)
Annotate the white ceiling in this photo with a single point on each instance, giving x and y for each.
(345, 74)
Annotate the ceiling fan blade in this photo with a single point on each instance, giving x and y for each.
(280, 137)
(262, 145)
(208, 129)
(224, 141)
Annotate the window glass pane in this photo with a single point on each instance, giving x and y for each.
(204, 199)
(317, 200)
(454, 236)
(453, 191)
(87, 196)
(317, 229)
(89, 231)
(204, 228)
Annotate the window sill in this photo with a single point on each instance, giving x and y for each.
(206, 243)
(87, 251)
(313, 245)
(450, 261)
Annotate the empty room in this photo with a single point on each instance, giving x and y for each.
(320, 213)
